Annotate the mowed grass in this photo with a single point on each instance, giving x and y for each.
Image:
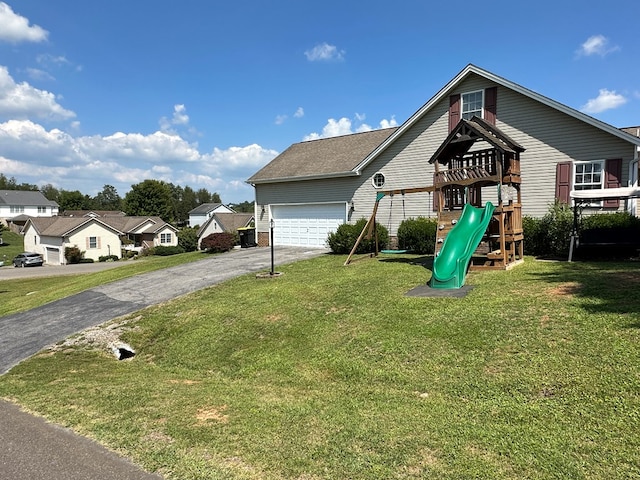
(331, 372)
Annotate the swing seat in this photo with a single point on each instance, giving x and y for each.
(393, 251)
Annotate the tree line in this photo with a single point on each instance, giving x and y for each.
(149, 197)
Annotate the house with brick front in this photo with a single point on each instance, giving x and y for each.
(314, 186)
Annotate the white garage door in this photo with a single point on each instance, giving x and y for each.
(53, 256)
(306, 225)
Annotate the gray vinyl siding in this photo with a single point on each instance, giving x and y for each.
(405, 164)
(548, 135)
(552, 137)
(308, 191)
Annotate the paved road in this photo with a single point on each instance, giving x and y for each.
(34, 449)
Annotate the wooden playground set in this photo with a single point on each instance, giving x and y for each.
(474, 158)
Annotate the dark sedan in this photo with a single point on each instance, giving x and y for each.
(28, 259)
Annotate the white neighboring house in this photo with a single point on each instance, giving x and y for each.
(199, 215)
(95, 236)
(225, 222)
(17, 205)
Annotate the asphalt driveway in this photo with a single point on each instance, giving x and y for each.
(35, 449)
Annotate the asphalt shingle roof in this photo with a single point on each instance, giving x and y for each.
(24, 197)
(324, 157)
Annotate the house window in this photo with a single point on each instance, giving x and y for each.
(16, 209)
(93, 242)
(472, 104)
(588, 175)
(165, 238)
(378, 180)
(42, 209)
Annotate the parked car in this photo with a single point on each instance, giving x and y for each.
(28, 259)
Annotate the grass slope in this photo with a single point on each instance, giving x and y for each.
(332, 372)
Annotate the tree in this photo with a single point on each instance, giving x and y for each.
(50, 192)
(184, 201)
(12, 184)
(204, 196)
(73, 200)
(243, 207)
(188, 239)
(150, 197)
(108, 199)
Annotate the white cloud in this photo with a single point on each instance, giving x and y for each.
(606, 100)
(596, 45)
(179, 117)
(324, 52)
(280, 119)
(37, 74)
(22, 101)
(36, 155)
(344, 126)
(389, 123)
(15, 28)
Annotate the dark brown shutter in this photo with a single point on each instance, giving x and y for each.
(454, 111)
(436, 196)
(612, 176)
(563, 181)
(490, 104)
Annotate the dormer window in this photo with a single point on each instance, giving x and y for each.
(472, 104)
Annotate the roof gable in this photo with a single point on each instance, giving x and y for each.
(63, 226)
(229, 222)
(472, 69)
(205, 208)
(466, 133)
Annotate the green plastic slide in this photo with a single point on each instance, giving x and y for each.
(450, 266)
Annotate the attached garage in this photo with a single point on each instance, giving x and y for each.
(53, 256)
(307, 225)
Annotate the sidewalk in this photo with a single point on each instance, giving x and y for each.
(34, 449)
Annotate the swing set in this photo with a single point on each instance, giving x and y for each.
(461, 174)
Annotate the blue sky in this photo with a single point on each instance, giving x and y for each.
(204, 93)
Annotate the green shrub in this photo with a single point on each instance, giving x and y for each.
(535, 236)
(218, 242)
(166, 250)
(108, 258)
(610, 220)
(560, 225)
(188, 239)
(418, 235)
(86, 260)
(344, 238)
(73, 254)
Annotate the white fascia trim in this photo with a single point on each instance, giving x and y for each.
(505, 83)
(307, 177)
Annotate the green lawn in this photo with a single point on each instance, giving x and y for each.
(331, 372)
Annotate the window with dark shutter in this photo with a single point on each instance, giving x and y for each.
(563, 181)
(612, 176)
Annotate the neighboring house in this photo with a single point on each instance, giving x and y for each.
(314, 186)
(92, 213)
(96, 237)
(224, 222)
(199, 215)
(16, 206)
